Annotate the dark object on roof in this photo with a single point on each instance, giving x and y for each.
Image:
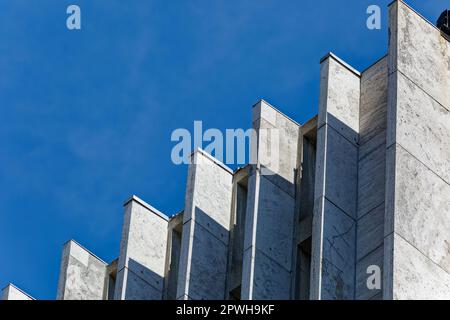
(443, 22)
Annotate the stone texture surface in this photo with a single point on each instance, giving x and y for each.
(282, 147)
(336, 284)
(415, 277)
(289, 135)
(370, 232)
(206, 226)
(372, 144)
(374, 90)
(422, 209)
(336, 183)
(423, 127)
(338, 238)
(341, 173)
(416, 250)
(209, 189)
(338, 170)
(269, 231)
(333, 253)
(269, 279)
(142, 250)
(132, 286)
(371, 176)
(374, 258)
(339, 99)
(82, 275)
(371, 180)
(208, 266)
(422, 54)
(273, 235)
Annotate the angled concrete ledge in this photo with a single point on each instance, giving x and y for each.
(213, 159)
(342, 62)
(416, 12)
(373, 64)
(143, 246)
(146, 205)
(11, 292)
(262, 101)
(82, 274)
(85, 249)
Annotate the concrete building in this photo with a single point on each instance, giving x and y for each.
(11, 292)
(363, 185)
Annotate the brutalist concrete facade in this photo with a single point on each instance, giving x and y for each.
(365, 183)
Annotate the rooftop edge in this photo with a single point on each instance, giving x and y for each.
(87, 250)
(277, 110)
(18, 289)
(213, 159)
(146, 205)
(342, 62)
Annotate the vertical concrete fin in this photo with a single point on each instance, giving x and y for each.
(143, 247)
(339, 97)
(206, 226)
(371, 176)
(82, 274)
(268, 243)
(417, 213)
(334, 220)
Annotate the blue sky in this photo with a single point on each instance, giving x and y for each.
(86, 116)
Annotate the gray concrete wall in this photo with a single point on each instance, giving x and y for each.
(237, 232)
(304, 209)
(416, 255)
(206, 226)
(143, 247)
(11, 292)
(371, 175)
(110, 280)
(82, 274)
(269, 232)
(336, 182)
(173, 256)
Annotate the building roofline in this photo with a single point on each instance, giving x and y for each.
(416, 12)
(277, 110)
(342, 62)
(18, 289)
(147, 206)
(372, 64)
(85, 249)
(213, 159)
